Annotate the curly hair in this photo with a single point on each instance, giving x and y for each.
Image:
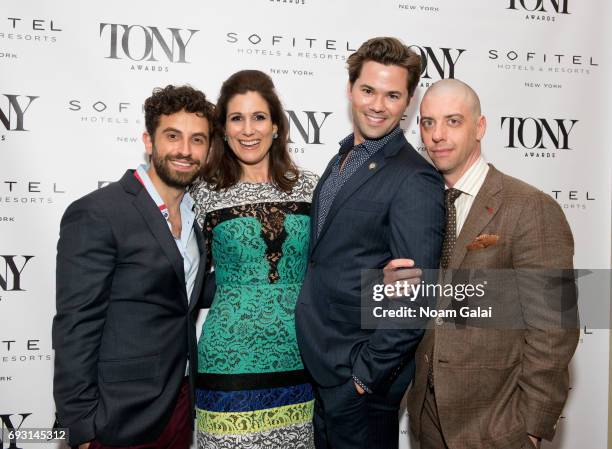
(172, 99)
(223, 169)
(386, 51)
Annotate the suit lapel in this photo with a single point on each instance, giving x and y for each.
(197, 286)
(356, 180)
(314, 210)
(485, 207)
(159, 228)
(199, 238)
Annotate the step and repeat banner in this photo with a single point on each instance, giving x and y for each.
(74, 75)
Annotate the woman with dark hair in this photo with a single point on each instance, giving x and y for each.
(254, 207)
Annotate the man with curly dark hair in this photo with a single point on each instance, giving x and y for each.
(130, 266)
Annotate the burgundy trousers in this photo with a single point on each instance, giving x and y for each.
(177, 434)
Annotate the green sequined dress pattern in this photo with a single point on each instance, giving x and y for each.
(252, 390)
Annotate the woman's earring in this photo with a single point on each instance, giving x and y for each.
(275, 136)
(225, 138)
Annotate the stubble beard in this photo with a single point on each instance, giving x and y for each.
(169, 176)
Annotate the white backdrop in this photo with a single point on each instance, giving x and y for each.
(73, 77)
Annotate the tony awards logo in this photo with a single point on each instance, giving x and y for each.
(13, 109)
(540, 136)
(11, 423)
(310, 129)
(558, 6)
(305, 128)
(540, 10)
(11, 275)
(140, 43)
(437, 63)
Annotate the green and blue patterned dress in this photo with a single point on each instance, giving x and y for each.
(252, 391)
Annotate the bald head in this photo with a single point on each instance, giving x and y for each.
(452, 127)
(457, 89)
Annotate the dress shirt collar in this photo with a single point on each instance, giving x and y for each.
(472, 180)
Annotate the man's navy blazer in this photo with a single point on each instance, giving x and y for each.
(391, 207)
(124, 328)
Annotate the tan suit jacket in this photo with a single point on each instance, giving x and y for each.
(493, 386)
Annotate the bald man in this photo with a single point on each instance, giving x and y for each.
(488, 386)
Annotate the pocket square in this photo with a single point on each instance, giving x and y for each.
(483, 241)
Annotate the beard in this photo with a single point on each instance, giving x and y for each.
(170, 176)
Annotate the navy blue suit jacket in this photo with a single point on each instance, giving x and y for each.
(124, 327)
(391, 207)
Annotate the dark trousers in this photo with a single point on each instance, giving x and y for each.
(343, 419)
(178, 433)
